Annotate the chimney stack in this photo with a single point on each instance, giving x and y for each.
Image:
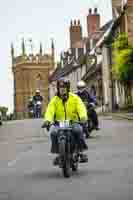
(130, 3)
(93, 21)
(75, 32)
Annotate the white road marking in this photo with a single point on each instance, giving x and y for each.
(20, 156)
(13, 162)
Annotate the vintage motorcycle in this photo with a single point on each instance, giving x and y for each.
(69, 152)
(37, 109)
(31, 112)
(92, 114)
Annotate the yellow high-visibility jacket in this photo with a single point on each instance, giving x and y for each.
(73, 109)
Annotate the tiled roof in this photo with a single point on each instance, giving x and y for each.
(106, 26)
(60, 72)
(55, 74)
(92, 71)
(108, 29)
(95, 35)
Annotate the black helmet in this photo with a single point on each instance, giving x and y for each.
(64, 83)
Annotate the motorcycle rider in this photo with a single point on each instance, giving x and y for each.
(88, 100)
(37, 98)
(66, 106)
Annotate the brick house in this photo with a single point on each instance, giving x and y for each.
(78, 64)
(75, 62)
(114, 91)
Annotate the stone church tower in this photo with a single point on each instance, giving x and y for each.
(30, 72)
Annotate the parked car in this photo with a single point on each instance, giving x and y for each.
(0, 118)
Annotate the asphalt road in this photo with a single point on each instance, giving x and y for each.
(26, 171)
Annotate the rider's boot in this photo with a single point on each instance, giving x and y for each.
(83, 146)
(87, 135)
(83, 158)
(56, 160)
(97, 128)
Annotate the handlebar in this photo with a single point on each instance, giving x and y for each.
(47, 126)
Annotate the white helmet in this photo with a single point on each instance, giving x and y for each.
(37, 91)
(81, 84)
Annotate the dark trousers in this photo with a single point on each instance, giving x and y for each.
(37, 111)
(93, 115)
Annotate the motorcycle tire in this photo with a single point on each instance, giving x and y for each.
(90, 126)
(66, 169)
(62, 148)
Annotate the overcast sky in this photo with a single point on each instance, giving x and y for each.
(40, 20)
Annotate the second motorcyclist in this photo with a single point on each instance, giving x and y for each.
(37, 100)
(89, 101)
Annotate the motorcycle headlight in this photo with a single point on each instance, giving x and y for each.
(64, 124)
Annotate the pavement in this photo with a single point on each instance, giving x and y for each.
(123, 115)
(126, 114)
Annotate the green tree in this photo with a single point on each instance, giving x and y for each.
(121, 42)
(3, 110)
(123, 63)
(123, 66)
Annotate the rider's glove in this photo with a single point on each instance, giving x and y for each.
(46, 124)
(83, 122)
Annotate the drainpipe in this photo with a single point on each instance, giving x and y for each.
(111, 76)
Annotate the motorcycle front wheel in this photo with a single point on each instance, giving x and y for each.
(66, 168)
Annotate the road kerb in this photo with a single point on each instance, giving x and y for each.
(118, 115)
